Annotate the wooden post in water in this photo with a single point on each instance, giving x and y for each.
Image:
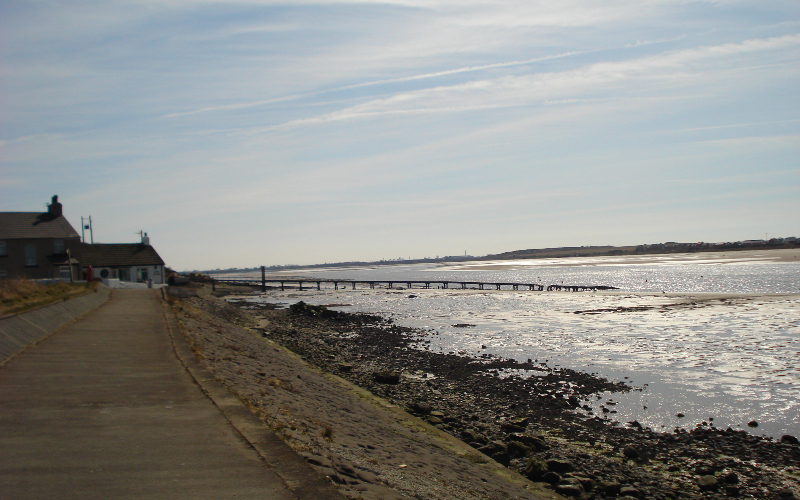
(263, 279)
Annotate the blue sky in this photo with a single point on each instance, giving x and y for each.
(240, 134)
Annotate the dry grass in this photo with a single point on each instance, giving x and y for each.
(20, 294)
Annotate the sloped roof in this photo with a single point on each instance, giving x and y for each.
(29, 225)
(119, 254)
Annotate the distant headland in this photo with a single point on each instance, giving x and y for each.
(560, 252)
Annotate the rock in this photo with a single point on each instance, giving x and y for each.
(630, 452)
(532, 441)
(629, 491)
(516, 425)
(345, 367)
(787, 439)
(386, 377)
(560, 466)
(433, 420)
(752, 423)
(732, 490)
(470, 436)
(569, 487)
(493, 448)
(708, 483)
(610, 488)
(516, 449)
(731, 478)
(420, 408)
(439, 414)
(550, 477)
(786, 494)
(587, 483)
(535, 468)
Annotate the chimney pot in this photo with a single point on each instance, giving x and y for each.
(54, 209)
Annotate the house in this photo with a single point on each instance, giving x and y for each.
(127, 262)
(39, 245)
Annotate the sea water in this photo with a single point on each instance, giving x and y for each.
(701, 342)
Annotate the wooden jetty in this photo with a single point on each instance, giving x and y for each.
(310, 283)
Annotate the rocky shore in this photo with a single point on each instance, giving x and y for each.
(529, 424)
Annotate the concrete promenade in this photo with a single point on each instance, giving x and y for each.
(104, 408)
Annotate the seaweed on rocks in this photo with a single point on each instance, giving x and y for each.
(530, 424)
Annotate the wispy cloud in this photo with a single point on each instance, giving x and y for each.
(273, 121)
(509, 91)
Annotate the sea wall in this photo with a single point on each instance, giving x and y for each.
(21, 330)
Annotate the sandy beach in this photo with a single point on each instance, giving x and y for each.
(439, 431)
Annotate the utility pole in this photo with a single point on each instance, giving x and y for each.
(87, 224)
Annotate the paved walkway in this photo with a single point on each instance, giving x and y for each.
(104, 409)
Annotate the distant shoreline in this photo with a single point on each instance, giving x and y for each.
(643, 254)
(718, 257)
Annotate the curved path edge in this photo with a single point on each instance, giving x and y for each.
(302, 480)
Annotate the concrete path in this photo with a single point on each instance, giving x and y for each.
(104, 409)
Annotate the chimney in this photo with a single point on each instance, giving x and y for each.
(54, 208)
(145, 239)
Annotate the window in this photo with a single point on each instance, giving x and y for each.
(124, 274)
(141, 274)
(30, 255)
(3, 249)
(58, 247)
(104, 273)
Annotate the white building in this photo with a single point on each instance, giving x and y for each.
(126, 262)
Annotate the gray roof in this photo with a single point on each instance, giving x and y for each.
(119, 255)
(29, 225)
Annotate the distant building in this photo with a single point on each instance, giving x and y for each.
(39, 245)
(130, 262)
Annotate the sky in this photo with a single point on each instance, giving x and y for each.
(249, 133)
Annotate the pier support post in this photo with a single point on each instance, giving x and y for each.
(318, 288)
(263, 279)
(300, 284)
(282, 288)
(354, 285)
